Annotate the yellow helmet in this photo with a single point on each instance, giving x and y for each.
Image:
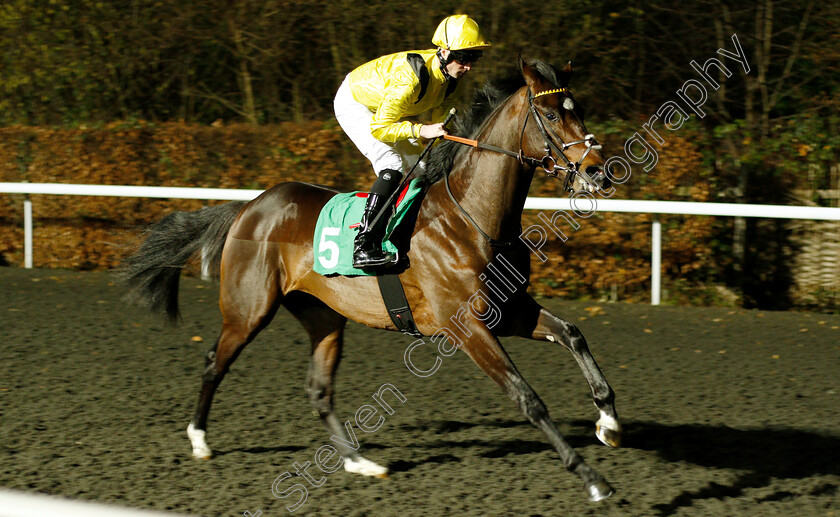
(459, 32)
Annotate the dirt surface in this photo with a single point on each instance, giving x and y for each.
(726, 412)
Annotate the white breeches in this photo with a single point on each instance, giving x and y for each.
(355, 118)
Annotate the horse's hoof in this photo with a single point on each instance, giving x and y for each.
(599, 490)
(608, 436)
(200, 450)
(365, 467)
(608, 430)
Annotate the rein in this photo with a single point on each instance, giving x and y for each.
(493, 242)
(548, 162)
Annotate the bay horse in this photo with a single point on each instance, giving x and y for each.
(469, 216)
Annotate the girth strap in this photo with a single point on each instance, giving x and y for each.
(395, 301)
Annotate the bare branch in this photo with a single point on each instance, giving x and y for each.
(803, 24)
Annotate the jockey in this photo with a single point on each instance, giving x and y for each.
(373, 102)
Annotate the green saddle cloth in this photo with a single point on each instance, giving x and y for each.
(338, 225)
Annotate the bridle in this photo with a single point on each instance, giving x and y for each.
(548, 162)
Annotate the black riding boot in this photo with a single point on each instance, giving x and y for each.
(368, 252)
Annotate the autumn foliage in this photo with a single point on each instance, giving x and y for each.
(78, 232)
(609, 255)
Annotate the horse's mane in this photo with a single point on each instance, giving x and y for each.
(485, 100)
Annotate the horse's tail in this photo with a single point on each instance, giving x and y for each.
(153, 271)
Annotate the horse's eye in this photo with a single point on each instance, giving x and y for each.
(551, 116)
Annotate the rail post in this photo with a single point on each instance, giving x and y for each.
(27, 232)
(655, 260)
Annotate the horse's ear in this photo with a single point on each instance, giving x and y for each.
(531, 75)
(521, 63)
(566, 75)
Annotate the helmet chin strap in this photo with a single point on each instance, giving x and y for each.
(443, 63)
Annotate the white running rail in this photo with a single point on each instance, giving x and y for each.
(14, 503)
(532, 203)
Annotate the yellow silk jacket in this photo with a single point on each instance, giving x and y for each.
(390, 86)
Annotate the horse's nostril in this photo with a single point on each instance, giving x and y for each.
(598, 176)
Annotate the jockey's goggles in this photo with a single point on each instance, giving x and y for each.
(466, 56)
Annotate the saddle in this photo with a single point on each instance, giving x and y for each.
(338, 223)
(335, 233)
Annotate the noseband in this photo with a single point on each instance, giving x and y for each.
(548, 162)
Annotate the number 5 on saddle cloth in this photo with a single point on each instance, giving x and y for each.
(338, 224)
